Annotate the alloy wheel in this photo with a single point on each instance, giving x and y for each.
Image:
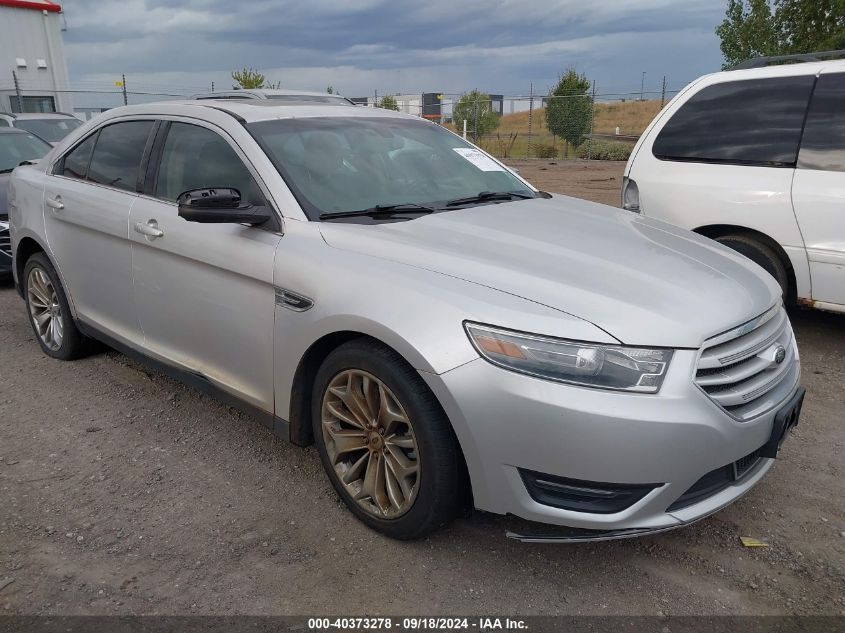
(371, 444)
(45, 309)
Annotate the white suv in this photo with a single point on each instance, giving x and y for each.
(755, 159)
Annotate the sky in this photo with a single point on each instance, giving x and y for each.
(391, 46)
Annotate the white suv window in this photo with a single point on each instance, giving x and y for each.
(747, 122)
(823, 145)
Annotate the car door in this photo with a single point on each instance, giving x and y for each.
(87, 199)
(204, 292)
(818, 190)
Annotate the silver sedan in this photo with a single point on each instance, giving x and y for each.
(443, 331)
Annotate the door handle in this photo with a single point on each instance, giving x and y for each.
(149, 229)
(56, 203)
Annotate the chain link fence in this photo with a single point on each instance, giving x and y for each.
(604, 126)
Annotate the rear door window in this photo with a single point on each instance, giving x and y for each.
(117, 156)
(749, 122)
(823, 145)
(75, 164)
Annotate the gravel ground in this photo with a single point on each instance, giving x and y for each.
(122, 491)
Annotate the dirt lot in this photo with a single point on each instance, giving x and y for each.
(122, 491)
(596, 181)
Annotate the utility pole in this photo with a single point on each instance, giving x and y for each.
(475, 122)
(123, 86)
(642, 87)
(530, 116)
(663, 93)
(212, 86)
(18, 91)
(592, 121)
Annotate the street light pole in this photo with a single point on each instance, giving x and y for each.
(642, 87)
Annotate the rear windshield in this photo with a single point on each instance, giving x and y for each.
(16, 148)
(755, 122)
(51, 130)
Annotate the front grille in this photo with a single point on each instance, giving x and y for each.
(715, 481)
(739, 369)
(743, 465)
(5, 240)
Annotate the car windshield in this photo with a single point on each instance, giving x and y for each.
(51, 130)
(344, 164)
(16, 148)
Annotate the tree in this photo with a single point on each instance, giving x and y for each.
(747, 31)
(248, 78)
(754, 28)
(330, 89)
(251, 78)
(807, 26)
(388, 103)
(476, 108)
(569, 108)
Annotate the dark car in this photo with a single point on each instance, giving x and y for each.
(16, 146)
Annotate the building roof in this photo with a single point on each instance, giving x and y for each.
(40, 5)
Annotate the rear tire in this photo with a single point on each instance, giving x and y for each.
(49, 312)
(391, 455)
(761, 254)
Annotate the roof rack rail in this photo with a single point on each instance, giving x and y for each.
(800, 58)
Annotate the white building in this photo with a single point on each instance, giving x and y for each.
(31, 50)
(427, 104)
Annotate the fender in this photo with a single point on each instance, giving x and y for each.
(25, 237)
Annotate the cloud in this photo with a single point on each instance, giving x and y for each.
(366, 45)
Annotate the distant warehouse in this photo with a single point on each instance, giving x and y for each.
(33, 71)
(427, 104)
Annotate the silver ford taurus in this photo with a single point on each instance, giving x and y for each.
(443, 331)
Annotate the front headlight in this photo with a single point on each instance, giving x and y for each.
(573, 362)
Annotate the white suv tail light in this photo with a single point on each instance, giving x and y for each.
(630, 195)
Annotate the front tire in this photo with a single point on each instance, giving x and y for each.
(385, 442)
(49, 311)
(761, 254)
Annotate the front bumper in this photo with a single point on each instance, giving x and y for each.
(507, 422)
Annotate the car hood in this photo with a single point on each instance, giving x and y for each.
(643, 281)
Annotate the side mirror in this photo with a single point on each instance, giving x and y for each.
(220, 206)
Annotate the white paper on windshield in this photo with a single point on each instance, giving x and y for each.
(477, 158)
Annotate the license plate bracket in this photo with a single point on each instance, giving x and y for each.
(785, 420)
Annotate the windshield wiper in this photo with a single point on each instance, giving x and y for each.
(484, 196)
(378, 210)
